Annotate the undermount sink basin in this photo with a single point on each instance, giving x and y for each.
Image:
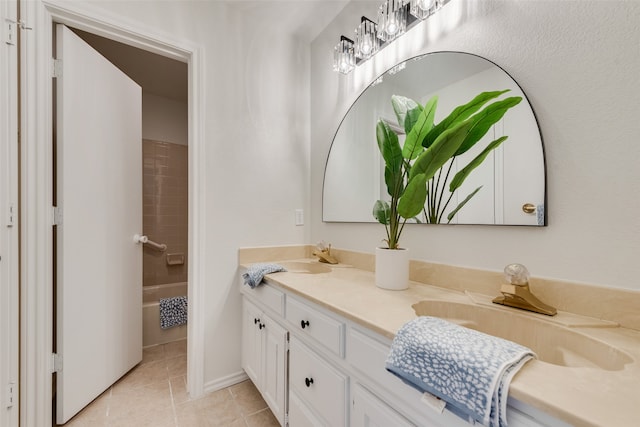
(305, 267)
(552, 343)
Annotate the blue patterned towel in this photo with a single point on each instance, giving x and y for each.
(173, 311)
(469, 370)
(255, 273)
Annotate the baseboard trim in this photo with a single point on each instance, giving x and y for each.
(224, 382)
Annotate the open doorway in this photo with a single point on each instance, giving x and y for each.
(165, 137)
(36, 185)
(162, 160)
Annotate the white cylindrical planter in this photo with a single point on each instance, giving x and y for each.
(392, 268)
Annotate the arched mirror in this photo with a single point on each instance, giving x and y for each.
(512, 177)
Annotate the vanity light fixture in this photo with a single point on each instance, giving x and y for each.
(422, 9)
(344, 56)
(394, 18)
(367, 42)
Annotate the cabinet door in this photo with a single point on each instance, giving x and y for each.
(251, 342)
(300, 415)
(369, 411)
(322, 387)
(274, 374)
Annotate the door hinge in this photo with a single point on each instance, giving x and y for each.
(286, 419)
(56, 362)
(56, 68)
(10, 32)
(56, 216)
(286, 342)
(11, 389)
(11, 214)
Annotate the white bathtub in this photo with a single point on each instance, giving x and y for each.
(151, 332)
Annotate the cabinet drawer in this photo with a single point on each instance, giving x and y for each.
(369, 411)
(300, 415)
(267, 296)
(307, 320)
(368, 356)
(318, 384)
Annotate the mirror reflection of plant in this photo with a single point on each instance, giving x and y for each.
(414, 172)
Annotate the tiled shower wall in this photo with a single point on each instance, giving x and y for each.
(165, 209)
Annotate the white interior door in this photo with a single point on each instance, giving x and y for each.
(99, 191)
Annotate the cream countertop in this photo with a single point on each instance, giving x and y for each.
(580, 396)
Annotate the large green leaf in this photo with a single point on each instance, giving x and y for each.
(381, 212)
(461, 205)
(407, 111)
(414, 197)
(457, 180)
(460, 114)
(412, 118)
(442, 149)
(394, 181)
(392, 154)
(420, 129)
(485, 119)
(389, 146)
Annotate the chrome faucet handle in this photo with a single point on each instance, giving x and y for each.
(517, 274)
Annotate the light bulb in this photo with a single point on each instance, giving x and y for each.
(366, 46)
(392, 27)
(366, 41)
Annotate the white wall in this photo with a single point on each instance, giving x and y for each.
(578, 63)
(256, 107)
(164, 119)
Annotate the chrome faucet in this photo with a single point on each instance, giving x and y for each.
(517, 293)
(323, 252)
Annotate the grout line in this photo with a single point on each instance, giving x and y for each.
(173, 404)
(109, 402)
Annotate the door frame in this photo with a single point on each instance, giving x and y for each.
(9, 224)
(36, 183)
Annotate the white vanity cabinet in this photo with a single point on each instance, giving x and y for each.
(300, 414)
(331, 373)
(322, 387)
(264, 357)
(367, 354)
(326, 331)
(369, 411)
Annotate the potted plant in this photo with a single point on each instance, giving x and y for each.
(415, 174)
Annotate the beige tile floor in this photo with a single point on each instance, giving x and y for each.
(154, 394)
